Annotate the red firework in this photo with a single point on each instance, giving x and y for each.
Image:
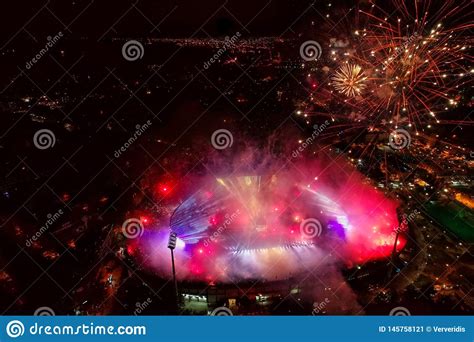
(417, 61)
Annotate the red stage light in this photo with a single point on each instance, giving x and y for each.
(145, 220)
(131, 250)
(163, 189)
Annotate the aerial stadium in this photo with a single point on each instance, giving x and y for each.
(275, 225)
(321, 164)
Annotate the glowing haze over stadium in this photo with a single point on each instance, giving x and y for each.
(273, 225)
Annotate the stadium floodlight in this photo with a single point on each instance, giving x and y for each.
(172, 240)
(172, 245)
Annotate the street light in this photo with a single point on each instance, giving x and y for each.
(172, 245)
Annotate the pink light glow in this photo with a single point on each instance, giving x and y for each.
(265, 240)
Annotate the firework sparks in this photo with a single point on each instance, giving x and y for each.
(403, 65)
(349, 80)
(417, 69)
(235, 227)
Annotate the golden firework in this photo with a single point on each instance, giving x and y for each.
(349, 80)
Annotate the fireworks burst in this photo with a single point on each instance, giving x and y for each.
(349, 80)
(417, 68)
(405, 64)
